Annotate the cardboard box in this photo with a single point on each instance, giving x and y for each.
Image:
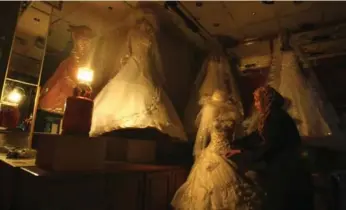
(69, 153)
(130, 150)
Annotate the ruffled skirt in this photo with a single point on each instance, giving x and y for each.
(131, 100)
(215, 184)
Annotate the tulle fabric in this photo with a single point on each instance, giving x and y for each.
(134, 98)
(304, 107)
(214, 75)
(321, 101)
(227, 115)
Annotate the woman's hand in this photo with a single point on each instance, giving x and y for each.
(232, 152)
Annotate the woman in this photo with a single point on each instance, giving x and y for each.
(277, 143)
(135, 97)
(214, 182)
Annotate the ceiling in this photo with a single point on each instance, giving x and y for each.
(318, 31)
(98, 15)
(236, 20)
(253, 19)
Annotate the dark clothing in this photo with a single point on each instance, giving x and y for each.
(285, 179)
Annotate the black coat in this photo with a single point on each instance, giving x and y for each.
(286, 180)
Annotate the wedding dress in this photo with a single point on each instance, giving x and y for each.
(135, 98)
(304, 106)
(214, 182)
(60, 86)
(214, 75)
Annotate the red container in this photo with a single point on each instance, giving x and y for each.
(77, 117)
(9, 116)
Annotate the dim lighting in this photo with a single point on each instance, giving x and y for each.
(15, 96)
(85, 75)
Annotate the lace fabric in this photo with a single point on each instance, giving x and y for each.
(214, 182)
(135, 98)
(214, 115)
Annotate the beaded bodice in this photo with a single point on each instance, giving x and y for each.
(219, 138)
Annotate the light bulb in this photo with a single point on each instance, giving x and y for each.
(15, 96)
(85, 75)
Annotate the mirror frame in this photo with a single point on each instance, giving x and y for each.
(23, 6)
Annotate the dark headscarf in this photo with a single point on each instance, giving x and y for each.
(269, 99)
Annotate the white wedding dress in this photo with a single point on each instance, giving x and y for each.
(214, 183)
(305, 104)
(134, 98)
(304, 107)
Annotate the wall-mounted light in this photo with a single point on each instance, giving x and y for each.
(85, 75)
(15, 96)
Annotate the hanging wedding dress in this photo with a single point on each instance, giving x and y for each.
(303, 107)
(304, 104)
(135, 98)
(214, 75)
(60, 86)
(214, 182)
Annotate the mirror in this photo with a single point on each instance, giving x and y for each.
(23, 73)
(75, 36)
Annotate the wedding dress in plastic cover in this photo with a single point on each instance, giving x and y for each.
(134, 97)
(305, 105)
(215, 74)
(214, 182)
(61, 84)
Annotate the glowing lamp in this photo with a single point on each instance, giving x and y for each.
(79, 106)
(15, 96)
(85, 75)
(9, 112)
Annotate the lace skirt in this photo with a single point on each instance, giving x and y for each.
(214, 184)
(131, 100)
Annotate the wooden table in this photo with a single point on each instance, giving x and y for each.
(9, 172)
(120, 186)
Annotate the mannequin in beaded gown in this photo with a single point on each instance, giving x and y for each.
(135, 98)
(215, 181)
(61, 84)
